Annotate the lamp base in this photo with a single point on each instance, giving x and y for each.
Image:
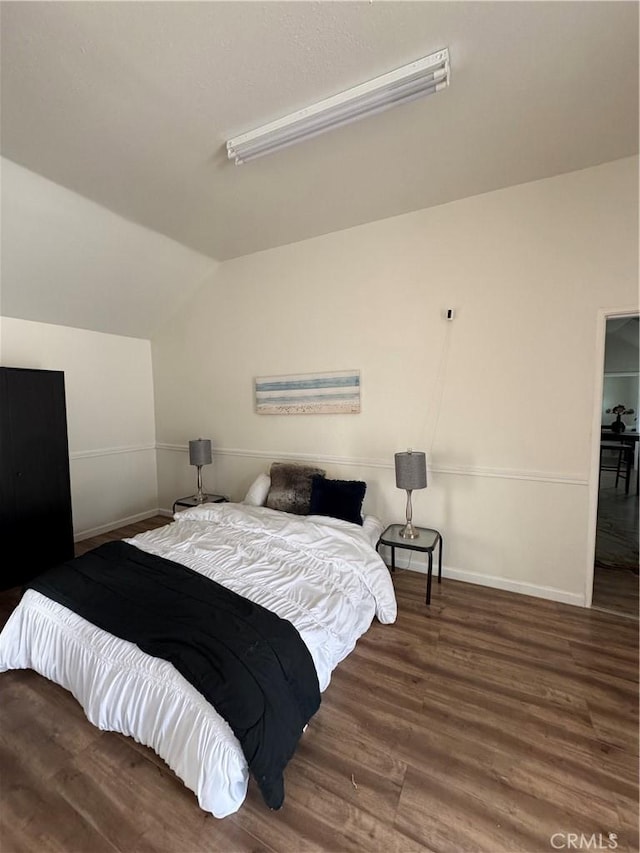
(200, 497)
(409, 532)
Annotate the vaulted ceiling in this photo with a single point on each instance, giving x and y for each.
(130, 104)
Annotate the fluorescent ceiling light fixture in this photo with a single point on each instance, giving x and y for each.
(422, 77)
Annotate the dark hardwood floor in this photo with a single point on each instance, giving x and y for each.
(487, 722)
(615, 580)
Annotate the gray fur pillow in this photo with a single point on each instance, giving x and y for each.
(291, 487)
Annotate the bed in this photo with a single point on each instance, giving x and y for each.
(321, 574)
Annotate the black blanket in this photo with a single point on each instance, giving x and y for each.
(249, 663)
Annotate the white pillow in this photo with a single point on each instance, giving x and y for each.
(258, 491)
(373, 527)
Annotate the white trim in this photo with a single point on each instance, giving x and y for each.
(289, 457)
(512, 474)
(612, 612)
(110, 451)
(416, 562)
(112, 525)
(356, 462)
(604, 314)
(570, 479)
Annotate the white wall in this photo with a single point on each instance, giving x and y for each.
(68, 261)
(502, 398)
(68, 265)
(110, 416)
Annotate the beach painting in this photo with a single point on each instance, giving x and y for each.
(336, 392)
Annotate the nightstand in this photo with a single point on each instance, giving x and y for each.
(426, 542)
(192, 500)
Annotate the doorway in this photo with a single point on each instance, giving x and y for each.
(615, 573)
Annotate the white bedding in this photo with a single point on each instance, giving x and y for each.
(320, 573)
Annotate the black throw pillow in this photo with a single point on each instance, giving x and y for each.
(337, 498)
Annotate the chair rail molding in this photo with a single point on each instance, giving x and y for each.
(110, 451)
(561, 478)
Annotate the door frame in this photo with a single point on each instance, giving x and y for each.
(604, 314)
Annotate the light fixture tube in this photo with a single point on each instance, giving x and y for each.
(422, 77)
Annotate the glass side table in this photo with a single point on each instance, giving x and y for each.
(426, 541)
(192, 500)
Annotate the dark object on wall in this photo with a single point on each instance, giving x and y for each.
(35, 494)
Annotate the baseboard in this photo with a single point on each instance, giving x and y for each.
(413, 561)
(120, 522)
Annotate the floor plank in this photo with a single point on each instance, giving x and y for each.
(484, 723)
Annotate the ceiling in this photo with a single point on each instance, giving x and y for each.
(130, 104)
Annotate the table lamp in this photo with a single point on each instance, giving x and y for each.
(411, 473)
(199, 455)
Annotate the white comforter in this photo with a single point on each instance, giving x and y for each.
(321, 574)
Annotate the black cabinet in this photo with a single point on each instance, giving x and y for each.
(36, 529)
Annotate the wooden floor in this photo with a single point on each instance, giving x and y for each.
(487, 722)
(615, 580)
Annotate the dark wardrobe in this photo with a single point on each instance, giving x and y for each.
(36, 529)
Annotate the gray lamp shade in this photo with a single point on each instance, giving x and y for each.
(200, 451)
(411, 470)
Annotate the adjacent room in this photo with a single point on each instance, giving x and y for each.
(615, 583)
(321, 318)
